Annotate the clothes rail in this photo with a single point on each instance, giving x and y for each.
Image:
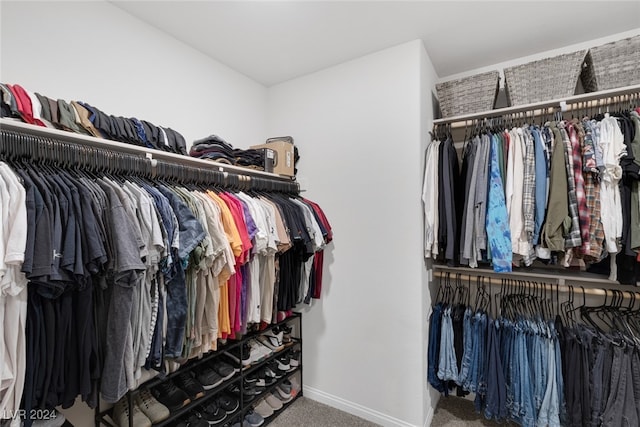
(540, 108)
(91, 141)
(561, 278)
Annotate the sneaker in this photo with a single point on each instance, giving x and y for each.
(153, 409)
(121, 413)
(282, 395)
(258, 352)
(227, 402)
(213, 414)
(253, 419)
(294, 358)
(295, 386)
(273, 366)
(195, 420)
(271, 343)
(286, 386)
(170, 396)
(208, 378)
(186, 382)
(274, 402)
(275, 336)
(225, 370)
(263, 409)
(286, 334)
(240, 353)
(283, 363)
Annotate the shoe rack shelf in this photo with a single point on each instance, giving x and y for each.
(242, 373)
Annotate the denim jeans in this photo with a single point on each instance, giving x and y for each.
(495, 402)
(548, 414)
(447, 365)
(467, 356)
(612, 415)
(434, 349)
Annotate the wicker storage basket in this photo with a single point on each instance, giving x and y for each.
(549, 78)
(469, 95)
(617, 64)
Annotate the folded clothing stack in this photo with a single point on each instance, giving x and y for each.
(215, 148)
(80, 117)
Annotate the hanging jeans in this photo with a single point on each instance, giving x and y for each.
(447, 365)
(434, 350)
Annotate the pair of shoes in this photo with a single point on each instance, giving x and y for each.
(193, 420)
(122, 412)
(212, 413)
(274, 367)
(170, 396)
(263, 409)
(284, 363)
(294, 358)
(227, 402)
(260, 378)
(208, 377)
(285, 330)
(275, 403)
(223, 369)
(240, 354)
(282, 394)
(258, 351)
(295, 386)
(253, 419)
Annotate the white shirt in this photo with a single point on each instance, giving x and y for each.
(613, 149)
(430, 200)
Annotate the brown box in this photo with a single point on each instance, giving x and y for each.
(283, 159)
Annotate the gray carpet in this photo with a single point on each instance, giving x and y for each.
(309, 413)
(450, 412)
(459, 412)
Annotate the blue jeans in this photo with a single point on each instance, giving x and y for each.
(434, 349)
(467, 355)
(495, 402)
(447, 364)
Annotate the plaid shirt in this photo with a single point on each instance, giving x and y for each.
(592, 195)
(576, 136)
(528, 200)
(572, 239)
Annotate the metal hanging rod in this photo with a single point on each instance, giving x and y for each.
(542, 106)
(588, 280)
(91, 141)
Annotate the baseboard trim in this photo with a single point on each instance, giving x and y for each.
(354, 408)
(429, 419)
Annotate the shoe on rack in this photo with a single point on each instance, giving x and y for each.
(195, 420)
(223, 369)
(286, 334)
(258, 351)
(122, 412)
(271, 343)
(295, 386)
(170, 396)
(213, 414)
(208, 377)
(240, 353)
(273, 366)
(263, 409)
(227, 402)
(285, 386)
(253, 419)
(189, 385)
(294, 358)
(283, 363)
(282, 395)
(274, 402)
(153, 409)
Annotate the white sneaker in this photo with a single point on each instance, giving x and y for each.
(121, 414)
(271, 343)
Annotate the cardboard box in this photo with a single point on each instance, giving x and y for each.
(281, 153)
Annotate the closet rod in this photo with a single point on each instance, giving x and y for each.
(92, 141)
(561, 278)
(555, 103)
(600, 291)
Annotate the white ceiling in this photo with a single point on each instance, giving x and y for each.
(272, 42)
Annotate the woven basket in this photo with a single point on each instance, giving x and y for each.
(617, 64)
(549, 78)
(469, 95)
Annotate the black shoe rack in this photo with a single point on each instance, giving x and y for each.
(104, 417)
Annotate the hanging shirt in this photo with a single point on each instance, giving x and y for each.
(497, 223)
(612, 145)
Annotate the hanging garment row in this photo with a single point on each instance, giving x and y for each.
(562, 192)
(109, 273)
(536, 361)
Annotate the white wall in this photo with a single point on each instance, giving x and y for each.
(359, 130)
(95, 52)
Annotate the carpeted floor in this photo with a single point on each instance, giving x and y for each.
(459, 412)
(450, 412)
(309, 413)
